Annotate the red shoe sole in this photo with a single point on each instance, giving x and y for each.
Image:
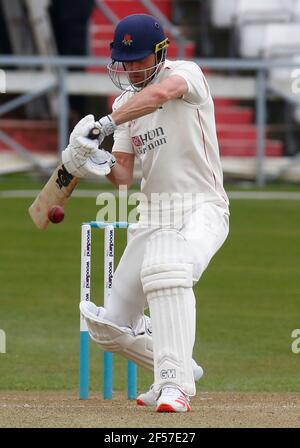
(168, 408)
(140, 402)
(165, 408)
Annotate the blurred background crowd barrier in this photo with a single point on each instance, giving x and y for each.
(53, 57)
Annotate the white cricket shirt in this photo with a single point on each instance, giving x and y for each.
(177, 144)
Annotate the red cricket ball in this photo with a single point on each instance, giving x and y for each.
(56, 214)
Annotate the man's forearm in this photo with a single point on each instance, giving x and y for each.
(150, 99)
(119, 175)
(143, 103)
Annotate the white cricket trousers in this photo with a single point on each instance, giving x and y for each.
(205, 231)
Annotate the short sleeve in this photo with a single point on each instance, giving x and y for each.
(122, 140)
(198, 89)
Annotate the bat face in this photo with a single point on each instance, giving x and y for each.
(56, 192)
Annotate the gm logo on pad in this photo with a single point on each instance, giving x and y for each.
(168, 374)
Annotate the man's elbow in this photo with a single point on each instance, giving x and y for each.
(130, 179)
(128, 182)
(126, 179)
(118, 181)
(170, 89)
(159, 96)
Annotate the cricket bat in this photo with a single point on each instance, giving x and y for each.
(57, 191)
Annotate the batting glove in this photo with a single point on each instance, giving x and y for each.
(81, 148)
(99, 164)
(106, 126)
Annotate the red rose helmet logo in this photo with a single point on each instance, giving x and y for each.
(127, 40)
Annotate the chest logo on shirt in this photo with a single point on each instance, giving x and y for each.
(150, 140)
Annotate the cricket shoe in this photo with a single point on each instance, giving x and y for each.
(172, 399)
(149, 398)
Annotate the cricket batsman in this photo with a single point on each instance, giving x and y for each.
(164, 117)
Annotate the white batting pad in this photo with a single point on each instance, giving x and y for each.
(197, 371)
(102, 332)
(167, 281)
(173, 337)
(166, 262)
(113, 338)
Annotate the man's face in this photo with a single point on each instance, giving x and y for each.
(139, 71)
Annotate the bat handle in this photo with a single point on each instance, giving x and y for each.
(94, 133)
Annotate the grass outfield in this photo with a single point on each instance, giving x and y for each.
(247, 301)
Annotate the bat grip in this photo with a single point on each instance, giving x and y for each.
(94, 133)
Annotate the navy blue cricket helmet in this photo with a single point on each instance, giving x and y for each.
(136, 37)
